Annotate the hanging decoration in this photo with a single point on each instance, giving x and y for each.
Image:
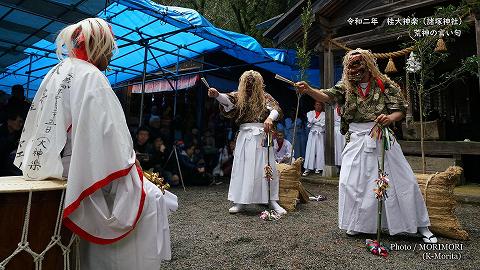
(385, 135)
(391, 66)
(269, 215)
(413, 65)
(441, 47)
(390, 55)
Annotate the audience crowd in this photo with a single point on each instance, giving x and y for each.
(173, 147)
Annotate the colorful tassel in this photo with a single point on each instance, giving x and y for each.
(382, 186)
(268, 173)
(377, 248)
(377, 133)
(270, 215)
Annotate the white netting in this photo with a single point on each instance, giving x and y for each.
(23, 245)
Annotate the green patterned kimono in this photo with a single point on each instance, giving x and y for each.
(357, 109)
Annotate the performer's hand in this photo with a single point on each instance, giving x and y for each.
(268, 125)
(303, 87)
(212, 92)
(384, 120)
(137, 163)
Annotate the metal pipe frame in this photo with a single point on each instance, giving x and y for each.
(144, 76)
(140, 42)
(68, 9)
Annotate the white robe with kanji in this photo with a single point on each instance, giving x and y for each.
(76, 129)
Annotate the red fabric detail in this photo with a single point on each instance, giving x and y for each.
(280, 144)
(338, 110)
(367, 91)
(80, 53)
(87, 192)
(317, 114)
(380, 84)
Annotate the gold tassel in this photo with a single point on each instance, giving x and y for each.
(441, 47)
(390, 66)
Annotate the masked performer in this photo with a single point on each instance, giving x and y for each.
(368, 97)
(254, 110)
(315, 154)
(76, 129)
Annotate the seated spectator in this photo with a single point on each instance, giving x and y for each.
(193, 170)
(154, 125)
(17, 101)
(209, 143)
(158, 161)
(142, 147)
(192, 137)
(225, 160)
(210, 152)
(10, 131)
(282, 148)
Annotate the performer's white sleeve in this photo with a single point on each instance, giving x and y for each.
(273, 115)
(288, 149)
(225, 101)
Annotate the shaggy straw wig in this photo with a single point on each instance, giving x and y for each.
(251, 106)
(371, 65)
(96, 35)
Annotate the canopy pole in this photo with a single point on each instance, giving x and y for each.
(115, 83)
(140, 122)
(29, 74)
(176, 85)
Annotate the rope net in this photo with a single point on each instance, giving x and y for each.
(55, 240)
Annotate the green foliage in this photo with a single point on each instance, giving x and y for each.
(428, 81)
(303, 53)
(237, 15)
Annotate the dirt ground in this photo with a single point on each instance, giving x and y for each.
(205, 236)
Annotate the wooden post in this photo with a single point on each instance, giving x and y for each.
(328, 77)
(477, 36)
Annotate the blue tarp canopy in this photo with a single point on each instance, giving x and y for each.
(160, 34)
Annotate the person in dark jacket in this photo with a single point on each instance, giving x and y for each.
(10, 131)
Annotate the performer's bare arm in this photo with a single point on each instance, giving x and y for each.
(305, 88)
(386, 120)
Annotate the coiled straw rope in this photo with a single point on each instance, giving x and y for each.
(378, 55)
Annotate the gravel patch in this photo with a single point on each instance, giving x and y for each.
(205, 236)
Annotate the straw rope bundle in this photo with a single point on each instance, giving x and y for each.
(437, 190)
(291, 189)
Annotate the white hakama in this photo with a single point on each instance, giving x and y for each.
(145, 247)
(404, 210)
(248, 184)
(339, 140)
(314, 153)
